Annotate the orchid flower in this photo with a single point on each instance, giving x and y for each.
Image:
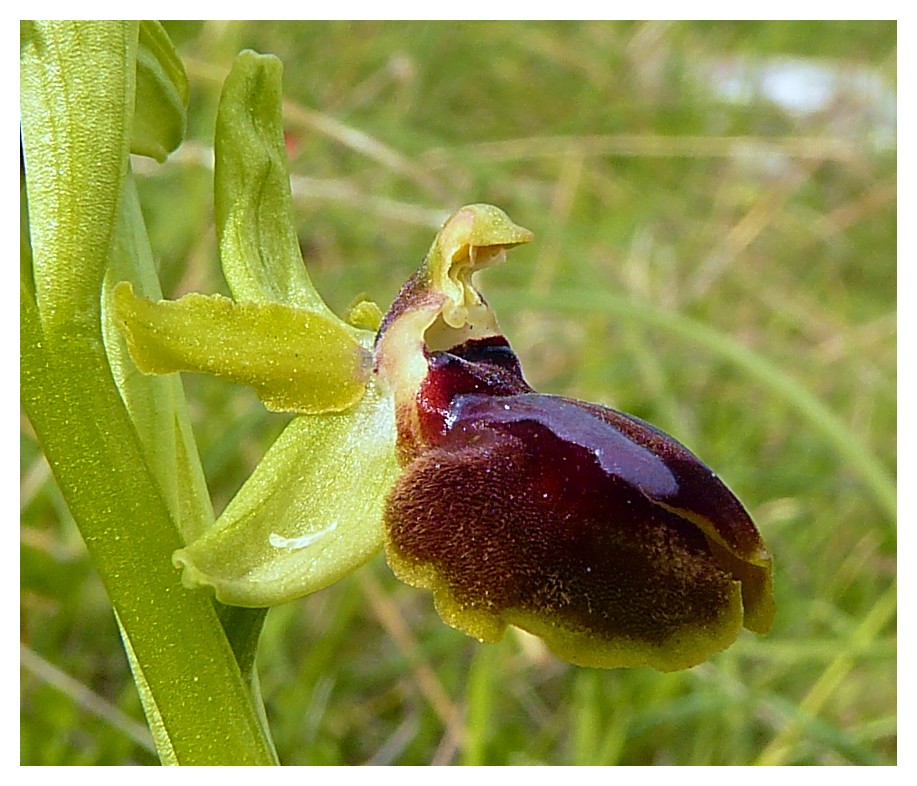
(416, 432)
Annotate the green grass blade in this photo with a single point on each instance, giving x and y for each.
(480, 705)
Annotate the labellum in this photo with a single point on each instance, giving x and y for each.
(582, 525)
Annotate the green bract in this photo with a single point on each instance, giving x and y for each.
(161, 95)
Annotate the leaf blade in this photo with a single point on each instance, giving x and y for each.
(75, 134)
(99, 465)
(76, 160)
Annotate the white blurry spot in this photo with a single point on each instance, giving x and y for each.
(294, 544)
(795, 85)
(861, 100)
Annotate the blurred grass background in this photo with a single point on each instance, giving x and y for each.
(715, 215)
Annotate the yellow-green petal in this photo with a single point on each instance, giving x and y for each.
(310, 514)
(297, 361)
(364, 314)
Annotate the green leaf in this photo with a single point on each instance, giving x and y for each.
(310, 514)
(297, 361)
(26, 278)
(76, 87)
(160, 109)
(259, 247)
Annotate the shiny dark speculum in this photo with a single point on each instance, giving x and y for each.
(458, 396)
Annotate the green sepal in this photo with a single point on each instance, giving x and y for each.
(259, 246)
(296, 361)
(310, 513)
(160, 108)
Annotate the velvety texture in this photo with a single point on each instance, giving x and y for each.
(584, 525)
